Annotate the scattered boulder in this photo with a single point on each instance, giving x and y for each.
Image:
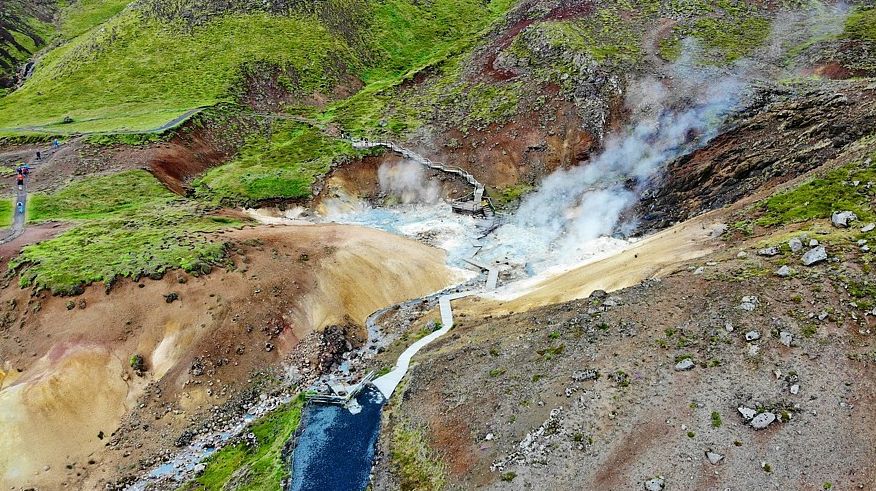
(585, 375)
(752, 336)
(841, 219)
(768, 252)
(795, 389)
(747, 413)
(749, 303)
(684, 365)
(796, 245)
(656, 484)
(868, 228)
(813, 243)
(762, 420)
(171, 297)
(714, 457)
(814, 256)
(865, 248)
(783, 272)
(786, 338)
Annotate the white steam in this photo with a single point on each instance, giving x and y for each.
(407, 181)
(576, 211)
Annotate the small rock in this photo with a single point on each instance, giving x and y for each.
(814, 256)
(585, 375)
(199, 469)
(728, 326)
(713, 457)
(841, 219)
(823, 315)
(784, 272)
(749, 303)
(795, 389)
(655, 484)
(786, 338)
(813, 243)
(684, 365)
(768, 252)
(862, 242)
(747, 413)
(171, 297)
(865, 248)
(700, 270)
(868, 228)
(742, 254)
(489, 437)
(762, 420)
(796, 245)
(752, 336)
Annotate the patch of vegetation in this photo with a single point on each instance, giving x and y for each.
(128, 225)
(726, 30)
(497, 372)
(548, 354)
(416, 465)
(508, 476)
(821, 196)
(716, 419)
(99, 197)
(142, 69)
(7, 208)
(83, 15)
(691, 434)
(266, 468)
(283, 165)
(510, 194)
(861, 24)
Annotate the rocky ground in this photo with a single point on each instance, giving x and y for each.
(727, 373)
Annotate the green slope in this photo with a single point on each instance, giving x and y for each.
(141, 69)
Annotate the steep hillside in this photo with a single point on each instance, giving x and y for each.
(25, 27)
(158, 59)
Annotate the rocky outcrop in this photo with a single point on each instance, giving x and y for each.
(780, 136)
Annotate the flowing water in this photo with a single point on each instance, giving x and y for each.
(335, 448)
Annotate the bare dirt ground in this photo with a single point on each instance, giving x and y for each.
(75, 413)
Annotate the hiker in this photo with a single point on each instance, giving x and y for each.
(26, 170)
(39, 155)
(20, 181)
(56, 144)
(20, 207)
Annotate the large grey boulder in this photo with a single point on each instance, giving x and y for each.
(841, 219)
(762, 420)
(796, 245)
(814, 256)
(868, 228)
(768, 252)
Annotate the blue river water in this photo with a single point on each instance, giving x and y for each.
(336, 447)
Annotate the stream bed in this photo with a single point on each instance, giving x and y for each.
(335, 449)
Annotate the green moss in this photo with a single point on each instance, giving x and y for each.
(128, 225)
(821, 196)
(281, 166)
(716, 419)
(84, 15)
(414, 462)
(98, 197)
(7, 208)
(861, 24)
(264, 463)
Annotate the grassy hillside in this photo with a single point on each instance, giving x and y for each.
(126, 225)
(146, 66)
(24, 29)
(282, 166)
